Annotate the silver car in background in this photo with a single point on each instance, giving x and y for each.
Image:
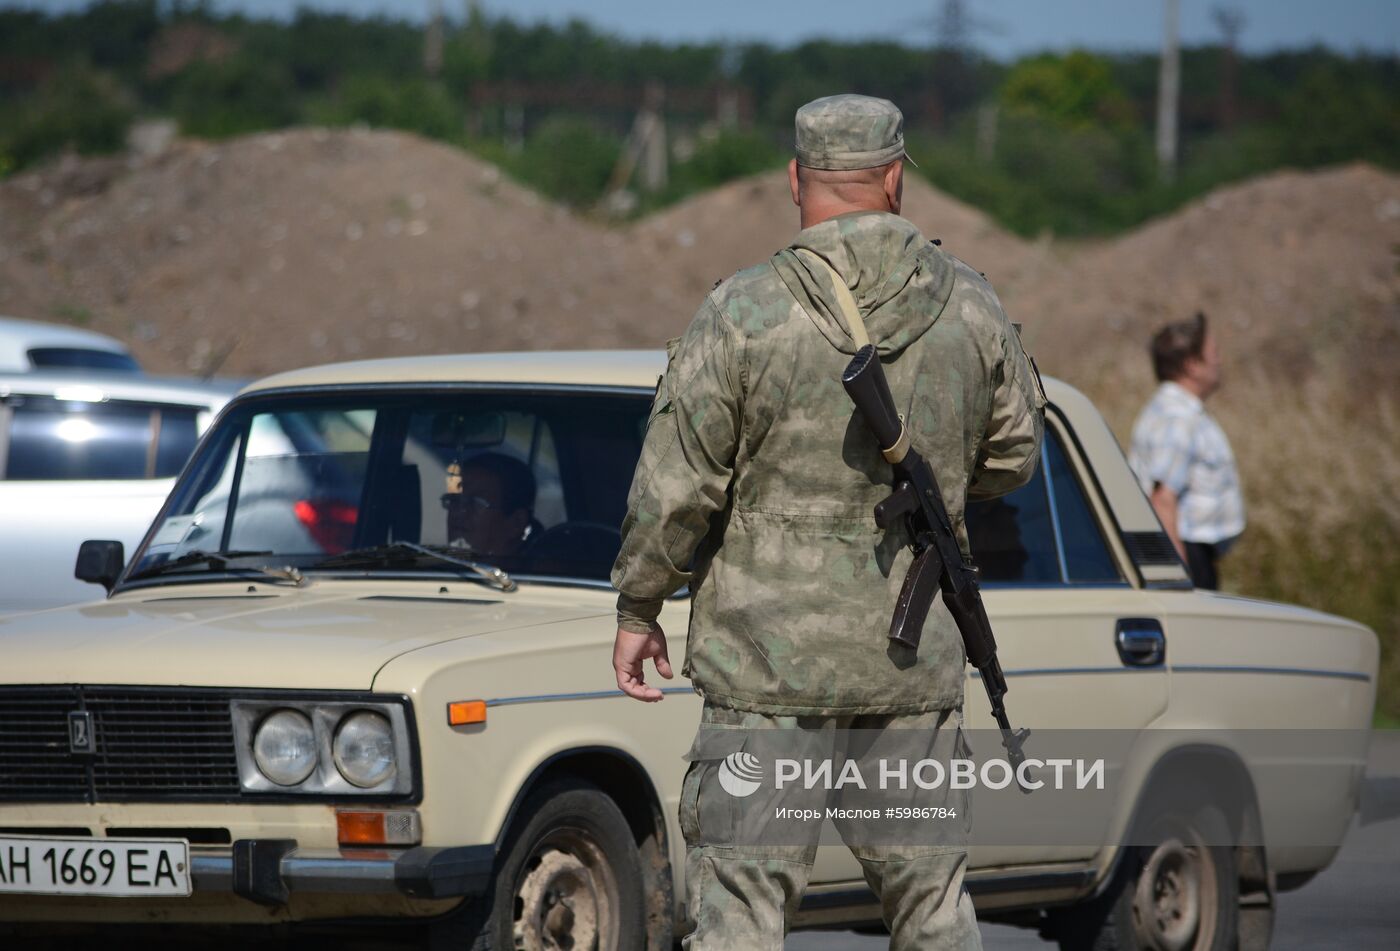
(86, 456)
(28, 345)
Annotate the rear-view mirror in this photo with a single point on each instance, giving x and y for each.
(468, 430)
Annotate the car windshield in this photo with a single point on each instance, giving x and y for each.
(535, 484)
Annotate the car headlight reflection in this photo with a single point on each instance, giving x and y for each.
(364, 749)
(285, 747)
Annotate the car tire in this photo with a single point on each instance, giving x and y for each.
(568, 876)
(1177, 893)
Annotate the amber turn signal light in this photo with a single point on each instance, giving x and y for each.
(398, 827)
(465, 712)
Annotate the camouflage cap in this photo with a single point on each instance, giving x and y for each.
(849, 131)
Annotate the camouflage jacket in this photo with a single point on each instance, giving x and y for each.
(757, 479)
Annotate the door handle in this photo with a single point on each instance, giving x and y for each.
(1140, 641)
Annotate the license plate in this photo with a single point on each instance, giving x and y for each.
(121, 868)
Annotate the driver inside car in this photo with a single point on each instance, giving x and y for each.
(490, 501)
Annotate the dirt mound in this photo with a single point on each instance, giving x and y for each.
(715, 234)
(280, 250)
(289, 248)
(1297, 271)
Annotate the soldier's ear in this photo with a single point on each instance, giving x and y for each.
(894, 185)
(794, 184)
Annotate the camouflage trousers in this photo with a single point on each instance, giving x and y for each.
(743, 890)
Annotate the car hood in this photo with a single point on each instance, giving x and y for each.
(323, 636)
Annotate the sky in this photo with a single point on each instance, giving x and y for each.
(1010, 27)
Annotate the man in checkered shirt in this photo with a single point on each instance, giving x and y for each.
(1180, 454)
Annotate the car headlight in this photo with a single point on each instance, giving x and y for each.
(364, 749)
(285, 747)
(326, 744)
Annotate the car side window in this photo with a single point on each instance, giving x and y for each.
(564, 461)
(81, 358)
(1043, 533)
(53, 439)
(1013, 537)
(67, 439)
(1086, 555)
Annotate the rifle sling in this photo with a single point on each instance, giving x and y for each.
(855, 325)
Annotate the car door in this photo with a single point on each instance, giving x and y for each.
(1081, 647)
(1057, 593)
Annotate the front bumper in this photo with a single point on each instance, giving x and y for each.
(266, 871)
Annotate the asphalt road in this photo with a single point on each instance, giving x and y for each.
(1354, 903)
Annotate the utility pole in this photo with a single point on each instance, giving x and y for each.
(645, 148)
(727, 108)
(985, 144)
(1231, 21)
(432, 40)
(656, 157)
(476, 27)
(478, 44)
(954, 74)
(953, 25)
(1168, 93)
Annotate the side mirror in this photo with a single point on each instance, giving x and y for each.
(100, 562)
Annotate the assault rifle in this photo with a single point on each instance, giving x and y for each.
(938, 561)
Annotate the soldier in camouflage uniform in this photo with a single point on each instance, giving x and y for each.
(756, 486)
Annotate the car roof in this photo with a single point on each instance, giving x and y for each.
(90, 387)
(18, 337)
(625, 368)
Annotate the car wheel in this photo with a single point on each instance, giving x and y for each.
(1176, 894)
(569, 877)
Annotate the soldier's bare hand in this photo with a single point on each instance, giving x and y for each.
(629, 651)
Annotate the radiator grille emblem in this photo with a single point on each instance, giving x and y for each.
(80, 738)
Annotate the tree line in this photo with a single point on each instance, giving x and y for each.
(1058, 142)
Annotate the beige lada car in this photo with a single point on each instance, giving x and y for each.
(358, 674)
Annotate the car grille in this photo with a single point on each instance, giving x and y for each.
(146, 744)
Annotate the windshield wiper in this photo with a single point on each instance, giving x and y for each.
(221, 560)
(382, 553)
